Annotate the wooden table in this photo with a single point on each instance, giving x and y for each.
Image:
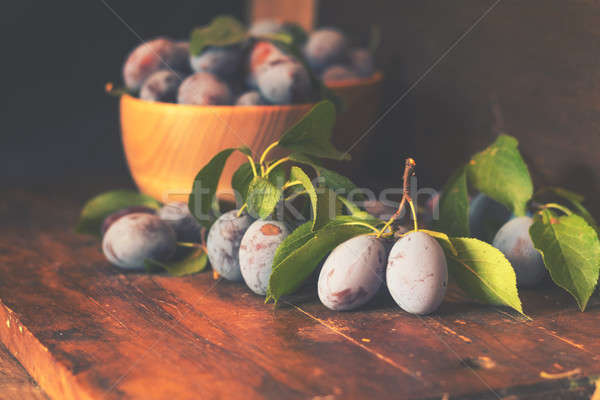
(83, 330)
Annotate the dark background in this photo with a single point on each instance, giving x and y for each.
(538, 61)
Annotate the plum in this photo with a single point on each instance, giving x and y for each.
(417, 273)
(223, 244)
(151, 56)
(337, 73)
(250, 98)
(203, 88)
(136, 237)
(514, 242)
(186, 227)
(325, 47)
(285, 83)
(161, 86)
(257, 250)
(111, 218)
(263, 55)
(221, 61)
(486, 216)
(362, 62)
(266, 26)
(353, 273)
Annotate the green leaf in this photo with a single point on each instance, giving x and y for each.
(98, 208)
(354, 210)
(454, 206)
(241, 180)
(500, 172)
(483, 272)
(193, 263)
(278, 176)
(302, 251)
(571, 251)
(576, 201)
(297, 174)
(339, 183)
(263, 197)
(312, 134)
(297, 33)
(245, 150)
(205, 188)
(222, 31)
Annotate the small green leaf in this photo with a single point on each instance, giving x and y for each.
(193, 263)
(205, 188)
(354, 210)
(312, 134)
(297, 33)
(339, 183)
(454, 206)
(222, 31)
(241, 180)
(297, 174)
(296, 260)
(262, 198)
(571, 251)
(500, 172)
(483, 272)
(98, 208)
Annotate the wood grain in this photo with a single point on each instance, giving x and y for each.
(15, 382)
(84, 329)
(302, 12)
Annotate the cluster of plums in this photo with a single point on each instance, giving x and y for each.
(415, 270)
(255, 72)
(491, 222)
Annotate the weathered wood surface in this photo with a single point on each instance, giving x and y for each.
(84, 329)
(15, 382)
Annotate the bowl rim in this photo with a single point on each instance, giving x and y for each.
(355, 82)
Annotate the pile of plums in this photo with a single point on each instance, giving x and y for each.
(415, 270)
(255, 72)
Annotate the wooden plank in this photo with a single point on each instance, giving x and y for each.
(84, 329)
(15, 382)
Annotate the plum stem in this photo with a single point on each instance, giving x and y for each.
(267, 150)
(241, 210)
(557, 206)
(275, 164)
(254, 172)
(409, 168)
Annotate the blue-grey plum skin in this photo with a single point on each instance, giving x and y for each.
(205, 89)
(325, 47)
(161, 86)
(486, 216)
(151, 56)
(362, 62)
(111, 218)
(221, 61)
(257, 250)
(514, 241)
(285, 83)
(338, 73)
(186, 227)
(223, 244)
(136, 237)
(353, 273)
(251, 98)
(417, 273)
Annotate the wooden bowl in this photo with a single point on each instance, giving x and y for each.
(167, 144)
